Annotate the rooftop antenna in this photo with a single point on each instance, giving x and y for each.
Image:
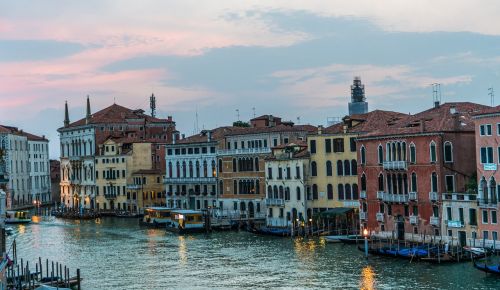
(196, 126)
(152, 105)
(491, 92)
(298, 120)
(436, 94)
(238, 114)
(253, 109)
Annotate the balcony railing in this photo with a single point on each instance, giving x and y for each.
(433, 196)
(198, 180)
(413, 196)
(134, 186)
(380, 217)
(110, 195)
(275, 202)
(244, 151)
(487, 203)
(380, 194)
(362, 194)
(434, 221)
(395, 165)
(396, 198)
(413, 219)
(363, 216)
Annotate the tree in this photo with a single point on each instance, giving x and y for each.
(241, 124)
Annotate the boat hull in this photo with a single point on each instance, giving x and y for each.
(488, 269)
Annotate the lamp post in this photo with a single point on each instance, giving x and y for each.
(310, 225)
(365, 234)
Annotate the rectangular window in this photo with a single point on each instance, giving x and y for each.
(269, 173)
(485, 235)
(493, 216)
(275, 142)
(328, 145)
(449, 216)
(407, 210)
(485, 216)
(461, 215)
(415, 210)
(413, 154)
(297, 172)
(498, 129)
(312, 146)
(485, 130)
(338, 145)
(265, 143)
(494, 235)
(381, 208)
(472, 217)
(280, 173)
(450, 183)
(352, 144)
(486, 155)
(288, 173)
(228, 145)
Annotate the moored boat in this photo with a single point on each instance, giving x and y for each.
(156, 216)
(17, 217)
(494, 269)
(185, 221)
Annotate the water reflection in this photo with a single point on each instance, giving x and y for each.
(367, 279)
(182, 250)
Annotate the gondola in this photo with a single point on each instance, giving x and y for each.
(495, 269)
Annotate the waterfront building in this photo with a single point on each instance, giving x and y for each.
(487, 128)
(242, 173)
(55, 178)
(333, 178)
(286, 173)
(145, 188)
(25, 167)
(358, 104)
(80, 141)
(459, 223)
(192, 169)
(406, 166)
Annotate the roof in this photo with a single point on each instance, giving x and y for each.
(448, 117)
(279, 128)
(215, 135)
(489, 111)
(16, 131)
(187, 211)
(116, 114)
(367, 122)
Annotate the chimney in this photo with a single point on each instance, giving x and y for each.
(183, 136)
(344, 128)
(209, 136)
(66, 115)
(436, 104)
(320, 129)
(87, 116)
(422, 126)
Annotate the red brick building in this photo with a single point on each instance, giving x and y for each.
(404, 168)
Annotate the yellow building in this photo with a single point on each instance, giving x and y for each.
(125, 177)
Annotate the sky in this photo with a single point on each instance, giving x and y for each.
(293, 59)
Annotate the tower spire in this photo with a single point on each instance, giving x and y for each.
(88, 115)
(66, 115)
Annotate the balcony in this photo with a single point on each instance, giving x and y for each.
(396, 198)
(183, 180)
(395, 165)
(110, 195)
(487, 203)
(380, 194)
(414, 220)
(362, 194)
(265, 150)
(363, 216)
(380, 217)
(275, 202)
(434, 221)
(433, 196)
(413, 196)
(134, 186)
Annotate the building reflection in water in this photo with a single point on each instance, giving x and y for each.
(367, 279)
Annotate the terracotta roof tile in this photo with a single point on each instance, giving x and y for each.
(279, 128)
(216, 135)
(367, 122)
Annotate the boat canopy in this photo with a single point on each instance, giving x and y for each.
(335, 212)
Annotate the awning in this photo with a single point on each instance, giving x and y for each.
(335, 212)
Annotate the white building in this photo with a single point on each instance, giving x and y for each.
(39, 171)
(286, 172)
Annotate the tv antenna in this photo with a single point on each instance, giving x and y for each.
(238, 114)
(253, 109)
(491, 93)
(298, 120)
(152, 105)
(436, 93)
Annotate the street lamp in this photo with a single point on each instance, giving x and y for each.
(365, 234)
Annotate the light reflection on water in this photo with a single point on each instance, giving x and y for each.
(119, 254)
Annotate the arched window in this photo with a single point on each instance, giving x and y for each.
(348, 191)
(329, 168)
(404, 151)
(298, 193)
(275, 190)
(434, 182)
(380, 182)
(380, 154)
(493, 190)
(354, 167)
(340, 189)
(214, 170)
(355, 191)
(347, 167)
(287, 193)
(256, 164)
(220, 165)
(190, 168)
(257, 187)
(234, 164)
(315, 191)
(314, 169)
(340, 168)
(388, 155)
(363, 155)
(197, 169)
(394, 151)
(170, 169)
(483, 186)
(432, 149)
(205, 169)
(235, 187)
(363, 182)
(178, 169)
(414, 182)
(405, 183)
(221, 187)
(448, 152)
(184, 168)
(281, 192)
(413, 153)
(329, 189)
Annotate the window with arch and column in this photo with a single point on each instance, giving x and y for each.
(414, 186)
(329, 168)
(493, 190)
(297, 192)
(340, 189)
(347, 167)
(314, 169)
(363, 182)
(434, 182)
(432, 152)
(329, 190)
(413, 153)
(380, 154)
(380, 182)
(448, 152)
(340, 168)
(362, 154)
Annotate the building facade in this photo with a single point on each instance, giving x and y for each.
(286, 175)
(39, 180)
(487, 128)
(405, 167)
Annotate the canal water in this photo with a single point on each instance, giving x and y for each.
(115, 253)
